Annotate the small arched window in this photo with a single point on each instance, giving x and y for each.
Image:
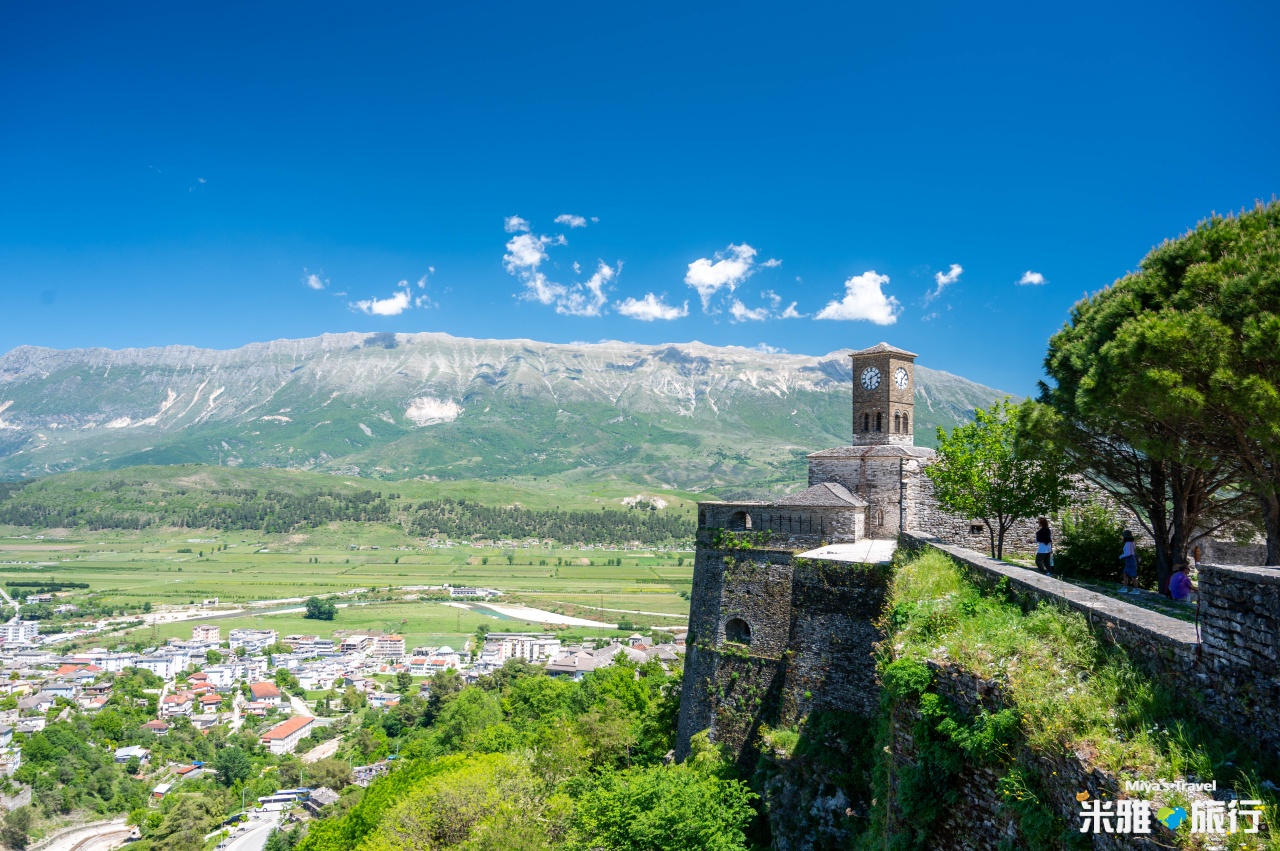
(897, 423)
(866, 422)
(702, 517)
(879, 427)
(739, 521)
(906, 424)
(738, 631)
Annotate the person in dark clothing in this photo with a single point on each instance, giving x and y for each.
(1044, 547)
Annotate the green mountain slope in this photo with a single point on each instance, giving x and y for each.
(398, 406)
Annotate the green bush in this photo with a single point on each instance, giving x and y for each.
(1087, 546)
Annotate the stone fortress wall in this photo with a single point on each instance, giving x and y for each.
(775, 635)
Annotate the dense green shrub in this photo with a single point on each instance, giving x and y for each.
(1087, 546)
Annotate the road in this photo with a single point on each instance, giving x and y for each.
(254, 838)
(324, 750)
(103, 836)
(300, 707)
(10, 601)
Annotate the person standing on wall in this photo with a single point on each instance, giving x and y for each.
(1044, 548)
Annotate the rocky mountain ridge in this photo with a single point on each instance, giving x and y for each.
(402, 405)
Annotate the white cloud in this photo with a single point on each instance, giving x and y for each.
(742, 313)
(515, 224)
(771, 263)
(571, 220)
(944, 280)
(791, 312)
(313, 280)
(651, 307)
(768, 349)
(393, 306)
(1032, 278)
(588, 298)
(863, 299)
(525, 252)
(729, 269)
(584, 299)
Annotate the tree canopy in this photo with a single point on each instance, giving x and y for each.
(987, 469)
(1166, 385)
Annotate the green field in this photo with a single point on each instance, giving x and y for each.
(127, 569)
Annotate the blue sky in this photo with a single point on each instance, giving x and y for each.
(804, 177)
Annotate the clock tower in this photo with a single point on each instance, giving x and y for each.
(884, 385)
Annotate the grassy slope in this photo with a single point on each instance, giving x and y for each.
(191, 482)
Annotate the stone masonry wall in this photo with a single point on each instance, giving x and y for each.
(790, 526)
(877, 480)
(811, 643)
(833, 636)
(1230, 661)
(982, 823)
(1240, 631)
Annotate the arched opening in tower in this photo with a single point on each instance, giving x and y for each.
(738, 631)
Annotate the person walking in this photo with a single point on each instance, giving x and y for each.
(1044, 548)
(1129, 565)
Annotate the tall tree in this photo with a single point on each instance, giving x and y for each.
(1166, 383)
(986, 469)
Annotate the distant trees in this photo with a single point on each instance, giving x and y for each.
(122, 504)
(320, 610)
(988, 470)
(462, 519)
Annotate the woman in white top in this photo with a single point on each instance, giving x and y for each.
(1129, 563)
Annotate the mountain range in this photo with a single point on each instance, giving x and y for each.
(398, 406)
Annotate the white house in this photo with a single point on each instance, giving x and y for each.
(284, 737)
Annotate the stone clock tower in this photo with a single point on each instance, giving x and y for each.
(884, 385)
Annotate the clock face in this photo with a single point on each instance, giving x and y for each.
(900, 378)
(871, 378)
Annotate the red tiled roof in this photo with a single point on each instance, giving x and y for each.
(287, 728)
(264, 690)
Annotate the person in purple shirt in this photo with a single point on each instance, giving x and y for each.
(1180, 584)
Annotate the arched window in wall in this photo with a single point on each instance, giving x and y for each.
(739, 521)
(906, 424)
(866, 422)
(738, 631)
(897, 423)
(879, 427)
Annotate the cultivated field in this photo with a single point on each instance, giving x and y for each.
(127, 569)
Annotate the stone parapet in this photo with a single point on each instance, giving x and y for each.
(1228, 661)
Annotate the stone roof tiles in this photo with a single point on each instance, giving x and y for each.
(827, 494)
(883, 349)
